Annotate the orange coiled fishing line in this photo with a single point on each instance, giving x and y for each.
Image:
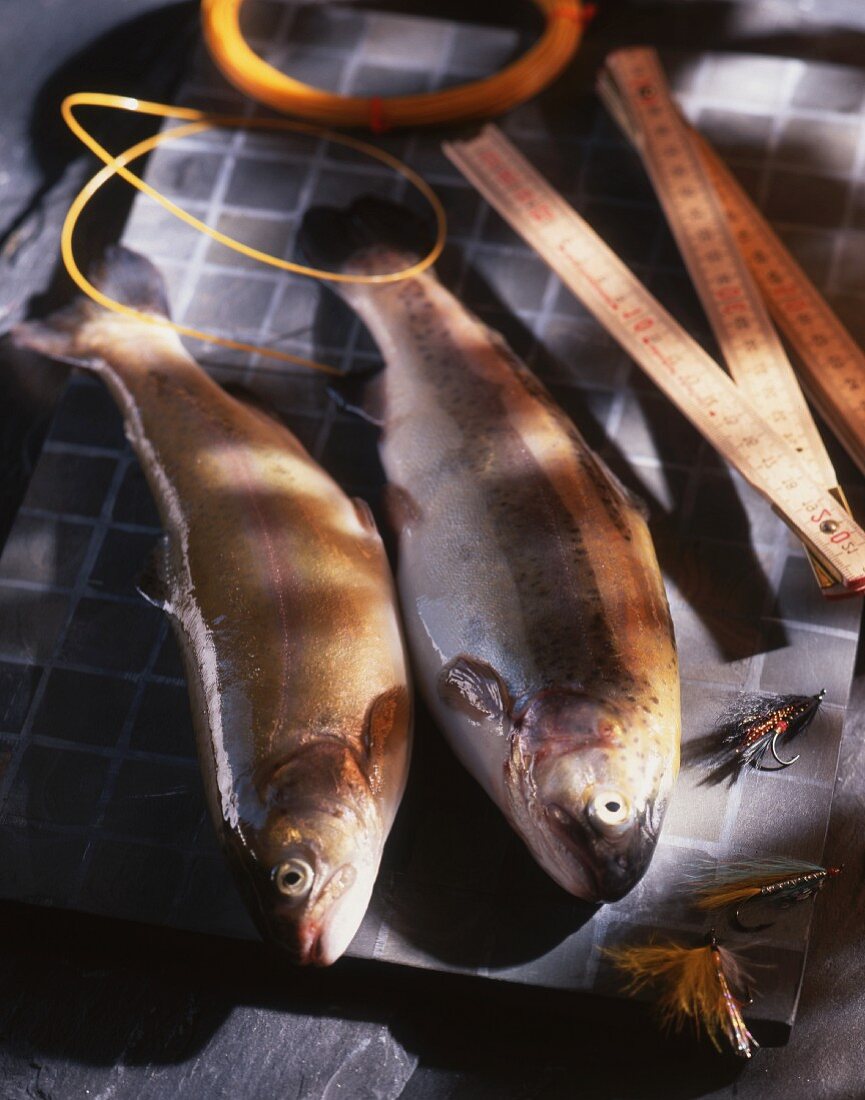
(566, 20)
(527, 77)
(197, 122)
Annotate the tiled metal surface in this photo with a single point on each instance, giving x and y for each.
(101, 805)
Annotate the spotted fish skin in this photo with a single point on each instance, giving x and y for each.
(282, 600)
(533, 602)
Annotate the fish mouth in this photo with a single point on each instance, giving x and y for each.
(310, 945)
(301, 944)
(317, 934)
(612, 867)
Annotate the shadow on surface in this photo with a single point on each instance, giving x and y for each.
(459, 886)
(29, 387)
(129, 997)
(124, 994)
(733, 25)
(143, 57)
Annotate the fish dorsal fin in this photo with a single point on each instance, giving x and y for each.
(475, 689)
(153, 581)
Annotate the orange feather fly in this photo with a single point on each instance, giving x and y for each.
(695, 985)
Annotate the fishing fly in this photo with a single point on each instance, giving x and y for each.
(757, 726)
(695, 983)
(780, 882)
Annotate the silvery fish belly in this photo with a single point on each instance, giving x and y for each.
(282, 600)
(532, 597)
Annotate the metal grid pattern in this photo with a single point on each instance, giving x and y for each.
(101, 807)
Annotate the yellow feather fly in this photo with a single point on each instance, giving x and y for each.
(779, 881)
(724, 894)
(695, 984)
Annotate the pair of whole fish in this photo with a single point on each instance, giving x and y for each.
(530, 592)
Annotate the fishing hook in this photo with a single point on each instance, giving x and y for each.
(737, 921)
(773, 748)
(807, 892)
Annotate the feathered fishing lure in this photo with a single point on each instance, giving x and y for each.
(783, 882)
(756, 727)
(695, 985)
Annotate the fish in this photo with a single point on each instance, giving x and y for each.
(532, 599)
(282, 599)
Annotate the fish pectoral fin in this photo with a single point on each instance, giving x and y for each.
(474, 688)
(364, 515)
(152, 582)
(403, 511)
(388, 723)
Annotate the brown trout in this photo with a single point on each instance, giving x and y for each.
(532, 598)
(281, 597)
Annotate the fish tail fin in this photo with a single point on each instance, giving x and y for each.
(131, 279)
(72, 333)
(327, 237)
(391, 223)
(372, 235)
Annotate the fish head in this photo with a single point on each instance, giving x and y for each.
(316, 855)
(595, 784)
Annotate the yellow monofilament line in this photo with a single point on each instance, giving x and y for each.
(493, 95)
(198, 122)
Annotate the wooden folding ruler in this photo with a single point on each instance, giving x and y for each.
(793, 473)
(634, 88)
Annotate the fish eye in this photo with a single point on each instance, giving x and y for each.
(609, 811)
(293, 879)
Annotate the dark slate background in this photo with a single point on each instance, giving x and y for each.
(95, 1008)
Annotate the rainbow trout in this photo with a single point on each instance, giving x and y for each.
(532, 598)
(281, 597)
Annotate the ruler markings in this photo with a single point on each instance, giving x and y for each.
(830, 361)
(675, 362)
(634, 87)
(740, 320)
